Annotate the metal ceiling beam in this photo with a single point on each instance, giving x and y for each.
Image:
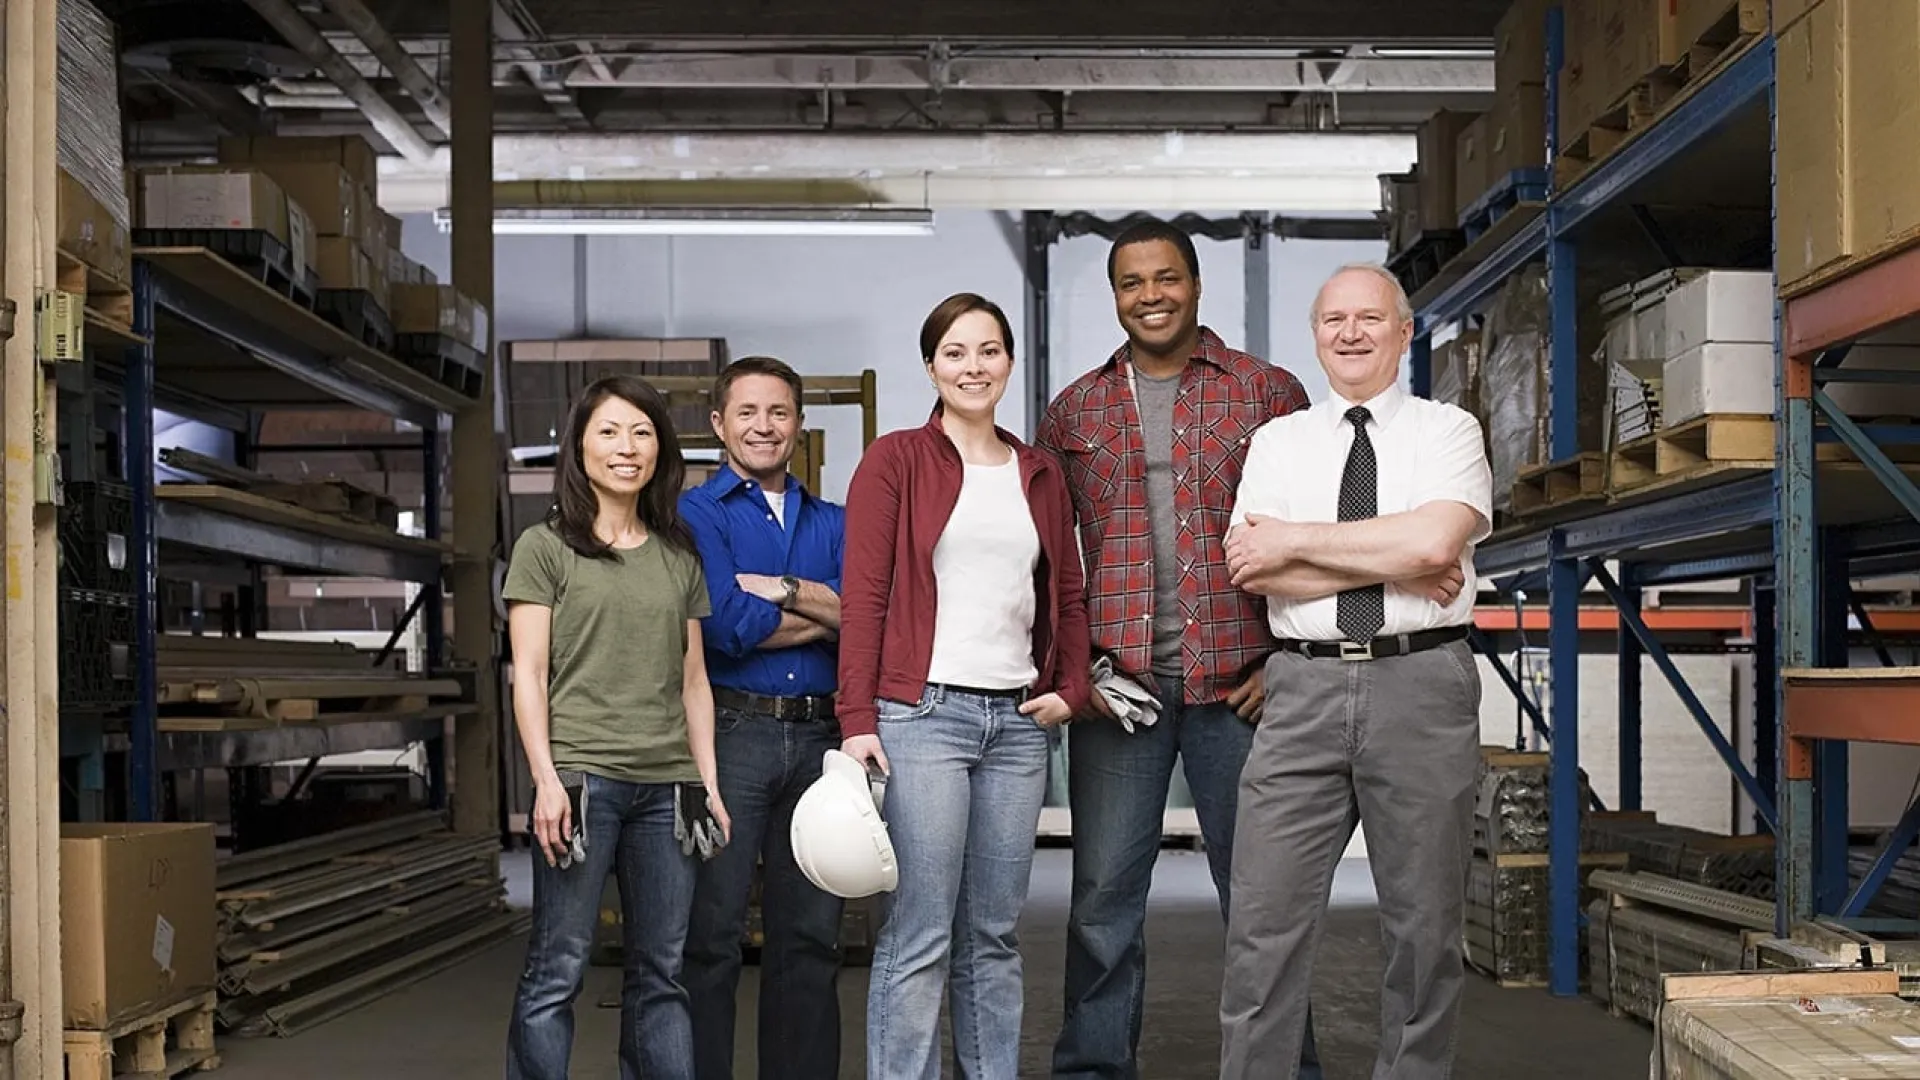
(676, 71)
(518, 39)
(394, 58)
(1237, 20)
(386, 120)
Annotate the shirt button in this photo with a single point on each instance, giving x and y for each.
(789, 676)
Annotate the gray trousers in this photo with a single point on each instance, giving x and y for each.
(1395, 744)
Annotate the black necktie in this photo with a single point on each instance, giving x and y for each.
(1361, 611)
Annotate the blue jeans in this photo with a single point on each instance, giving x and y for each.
(629, 830)
(764, 766)
(963, 806)
(1117, 787)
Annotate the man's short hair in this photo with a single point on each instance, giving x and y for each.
(1148, 231)
(1402, 306)
(757, 365)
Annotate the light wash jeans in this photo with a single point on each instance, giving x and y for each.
(962, 807)
(629, 829)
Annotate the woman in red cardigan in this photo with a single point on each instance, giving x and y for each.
(963, 647)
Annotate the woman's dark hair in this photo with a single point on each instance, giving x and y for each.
(577, 504)
(948, 312)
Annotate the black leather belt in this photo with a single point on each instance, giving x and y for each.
(792, 709)
(1379, 648)
(1006, 695)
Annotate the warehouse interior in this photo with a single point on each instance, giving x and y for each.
(296, 293)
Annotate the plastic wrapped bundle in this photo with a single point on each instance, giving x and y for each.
(1512, 378)
(88, 129)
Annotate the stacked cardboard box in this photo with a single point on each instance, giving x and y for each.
(225, 197)
(94, 217)
(1848, 135)
(1400, 210)
(543, 378)
(1438, 169)
(136, 919)
(1612, 46)
(335, 180)
(1512, 134)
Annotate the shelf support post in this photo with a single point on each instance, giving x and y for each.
(1257, 248)
(1631, 698)
(1038, 267)
(137, 413)
(431, 603)
(476, 450)
(1797, 578)
(1563, 843)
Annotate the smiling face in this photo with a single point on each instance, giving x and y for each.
(757, 423)
(1157, 299)
(971, 365)
(1360, 333)
(619, 448)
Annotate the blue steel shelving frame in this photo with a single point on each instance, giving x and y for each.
(338, 375)
(1760, 527)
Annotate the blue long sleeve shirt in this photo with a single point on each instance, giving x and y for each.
(735, 529)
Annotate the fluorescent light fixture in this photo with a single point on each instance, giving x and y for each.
(700, 221)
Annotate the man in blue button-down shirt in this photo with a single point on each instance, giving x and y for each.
(772, 555)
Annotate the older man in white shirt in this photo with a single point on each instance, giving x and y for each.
(1357, 519)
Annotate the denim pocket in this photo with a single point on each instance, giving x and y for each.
(890, 710)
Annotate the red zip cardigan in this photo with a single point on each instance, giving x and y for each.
(902, 494)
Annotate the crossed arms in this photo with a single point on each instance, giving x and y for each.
(1417, 549)
(746, 607)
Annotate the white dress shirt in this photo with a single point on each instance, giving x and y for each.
(1426, 451)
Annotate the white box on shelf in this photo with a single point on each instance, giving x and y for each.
(1720, 306)
(1717, 377)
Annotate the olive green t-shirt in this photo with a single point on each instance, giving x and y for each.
(617, 653)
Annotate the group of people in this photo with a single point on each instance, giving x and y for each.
(1188, 563)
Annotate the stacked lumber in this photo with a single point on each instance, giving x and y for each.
(1508, 925)
(327, 495)
(1737, 864)
(318, 927)
(1646, 926)
(239, 684)
(1785, 1026)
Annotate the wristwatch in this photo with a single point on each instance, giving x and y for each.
(792, 585)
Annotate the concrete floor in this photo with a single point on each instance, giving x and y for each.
(452, 1027)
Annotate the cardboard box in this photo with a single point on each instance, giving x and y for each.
(1400, 209)
(1520, 45)
(1883, 122)
(342, 265)
(351, 152)
(1612, 45)
(86, 230)
(1813, 220)
(389, 227)
(1719, 377)
(1837, 1034)
(1721, 305)
(136, 918)
(1438, 140)
(1517, 131)
(325, 191)
(373, 233)
(1472, 164)
(1787, 12)
(213, 197)
(435, 309)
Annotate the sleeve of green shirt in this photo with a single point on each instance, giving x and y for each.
(533, 573)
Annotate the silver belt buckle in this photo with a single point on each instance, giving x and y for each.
(1353, 650)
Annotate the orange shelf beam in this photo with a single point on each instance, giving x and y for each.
(1730, 620)
(1852, 305)
(1877, 705)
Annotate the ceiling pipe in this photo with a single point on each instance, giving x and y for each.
(406, 70)
(379, 112)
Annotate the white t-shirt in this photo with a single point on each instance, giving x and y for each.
(983, 566)
(1426, 451)
(777, 503)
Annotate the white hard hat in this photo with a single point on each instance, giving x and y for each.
(838, 837)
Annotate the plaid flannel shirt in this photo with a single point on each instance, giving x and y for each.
(1093, 425)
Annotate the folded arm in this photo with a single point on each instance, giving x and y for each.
(1309, 560)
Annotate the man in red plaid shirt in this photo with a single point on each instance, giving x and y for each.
(1153, 441)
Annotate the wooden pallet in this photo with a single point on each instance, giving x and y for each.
(1581, 478)
(255, 252)
(1661, 90)
(1507, 194)
(1716, 440)
(108, 297)
(164, 1043)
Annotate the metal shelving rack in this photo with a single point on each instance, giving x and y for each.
(212, 343)
(1713, 146)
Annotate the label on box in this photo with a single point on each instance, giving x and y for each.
(163, 943)
(1911, 1042)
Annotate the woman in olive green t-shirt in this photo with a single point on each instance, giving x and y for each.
(611, 698)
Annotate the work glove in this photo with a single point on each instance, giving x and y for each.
(693, 822)
(575, 785)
